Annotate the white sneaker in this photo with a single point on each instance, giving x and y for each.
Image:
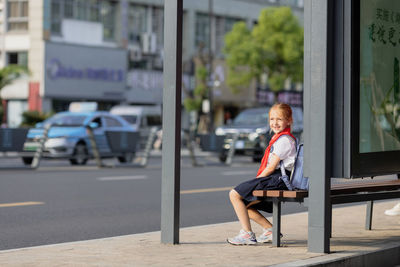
(266, 236)
(393, 211)
(243, 238)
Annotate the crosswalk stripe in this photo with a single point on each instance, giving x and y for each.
(18, 204)
(206, 190)
(122, 178)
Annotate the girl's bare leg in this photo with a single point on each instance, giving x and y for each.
(240, 209)
(256, 216)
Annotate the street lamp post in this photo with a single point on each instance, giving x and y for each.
(210, 66)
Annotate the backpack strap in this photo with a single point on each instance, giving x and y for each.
(284, 177)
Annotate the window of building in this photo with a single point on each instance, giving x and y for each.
(108, 17)
(137, 22)
(17, 58)
(202, 30)
(102, 11)
(56, 16)
(158, 29)
(17, 15)
(223, 26)
(68, 8)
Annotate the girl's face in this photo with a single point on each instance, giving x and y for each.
(277, 121)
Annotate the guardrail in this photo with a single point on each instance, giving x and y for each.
(12, 139)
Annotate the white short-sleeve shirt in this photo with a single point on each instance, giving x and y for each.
(285, 149)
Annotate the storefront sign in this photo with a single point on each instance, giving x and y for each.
(288, 97)
(79, 72)
(57, 70)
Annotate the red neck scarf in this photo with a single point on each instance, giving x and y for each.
(264, 160)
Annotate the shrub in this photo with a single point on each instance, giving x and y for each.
(30, 118)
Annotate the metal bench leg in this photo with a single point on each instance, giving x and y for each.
(330, 219)
(276, 227)
(368, 217)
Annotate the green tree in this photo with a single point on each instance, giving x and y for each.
(11, 73)
(193, 101)
(273, 47)
(8, 75)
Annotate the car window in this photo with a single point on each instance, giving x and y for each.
(153, 120)
(297, 119)
(111, 122)
(98, 121)
(249, 118)
(66, 120)
(143, 122)
(130, 118)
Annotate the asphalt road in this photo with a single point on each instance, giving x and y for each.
(62, 203)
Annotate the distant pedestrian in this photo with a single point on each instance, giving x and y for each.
(281, 150)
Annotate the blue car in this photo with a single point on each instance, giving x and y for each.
(68, 137)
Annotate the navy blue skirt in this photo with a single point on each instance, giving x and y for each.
(271, 182)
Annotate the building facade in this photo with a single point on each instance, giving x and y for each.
(111, 51)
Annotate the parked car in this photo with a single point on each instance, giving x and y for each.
(68, 137)
(141, 118)
(252, 128)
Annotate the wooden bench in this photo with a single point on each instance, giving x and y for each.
(340, 194)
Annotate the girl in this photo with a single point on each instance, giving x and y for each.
(281, 150)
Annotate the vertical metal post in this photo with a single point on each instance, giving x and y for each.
(231, 151)
(210, 63)
(276, 227)
(149, 144)
(368, 217)
(170, 180)
(40, 148)
(93, 144)
(317, 157)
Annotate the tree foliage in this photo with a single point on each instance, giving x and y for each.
(8, 75)
(195, 99)
(11, 73)
(273, 47)
(31, 117)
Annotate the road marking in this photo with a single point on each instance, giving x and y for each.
(229, 173)
(122, 178)
(18, 204)
(206, 190)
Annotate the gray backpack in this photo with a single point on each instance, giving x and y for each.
(297, 180)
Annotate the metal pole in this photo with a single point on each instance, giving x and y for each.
(171, 152)
(189, 143)
(276, 227)
(40, 148)
(317, 106)
(231, 151)
(368, 217)
(149, 144)
(210, 63)
(93, 144)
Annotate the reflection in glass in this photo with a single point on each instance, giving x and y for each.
(379, 75)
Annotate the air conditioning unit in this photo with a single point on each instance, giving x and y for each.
(149, 43)
(135, 53)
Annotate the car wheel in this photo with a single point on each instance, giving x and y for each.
(80, 155)
(27, 160)
(257, 156)
(222, 156)
(127, 158)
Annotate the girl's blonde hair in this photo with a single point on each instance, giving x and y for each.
(284, 109)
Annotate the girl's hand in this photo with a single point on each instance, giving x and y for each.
(271, 166)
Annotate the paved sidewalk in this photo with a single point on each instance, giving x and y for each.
(206, 246)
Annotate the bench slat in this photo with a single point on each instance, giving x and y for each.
(338, 189)
(280, 193)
